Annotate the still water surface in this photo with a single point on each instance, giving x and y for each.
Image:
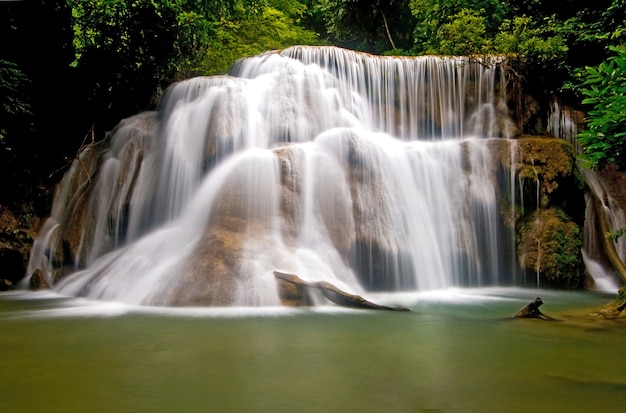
(455, 352)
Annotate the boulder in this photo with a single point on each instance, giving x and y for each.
(38, 281)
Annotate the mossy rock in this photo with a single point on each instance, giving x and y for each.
(550, 243)
(618, 307)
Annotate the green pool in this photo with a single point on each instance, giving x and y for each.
(457, 351)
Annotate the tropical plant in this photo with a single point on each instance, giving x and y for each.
(436, 20)
(524, 38)
(277, 26)
(375, 26)
(604, 88)
(464, 35)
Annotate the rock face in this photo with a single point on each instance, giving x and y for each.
(38, 281)
(16, 231)
(75, 238)
(550, 244)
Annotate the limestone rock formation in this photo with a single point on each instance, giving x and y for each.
(37, 281)
(548, 212)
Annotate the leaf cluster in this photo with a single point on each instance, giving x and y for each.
(604, 88)
(275, 26)
(483, 27)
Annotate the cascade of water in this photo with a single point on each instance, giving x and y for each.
(601, 272)
(424, 97)
(360, 170)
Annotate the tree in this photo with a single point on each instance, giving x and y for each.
(276, 26)
(127, 51)
(464, 35)
(123, 50)
(436, 20)
(36, 94)
(375, 26)
(522, 38)
(17, 120)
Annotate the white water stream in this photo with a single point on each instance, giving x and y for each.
(369, 172)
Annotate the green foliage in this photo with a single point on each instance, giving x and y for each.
(169, 40)
(16, 121)
(14, 106)
(374, 26)
(550, 242)
(479, 27)
(271, 29)
(436, 21)
(613, 21)
(604, 88)
(144, 37)
(615, 235)
(563, 257)
(464, 35)
(522, 38)
(127, 50)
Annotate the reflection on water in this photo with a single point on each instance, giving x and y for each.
(458, 351)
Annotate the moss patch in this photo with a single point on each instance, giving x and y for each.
(618, 307)
(550, 243)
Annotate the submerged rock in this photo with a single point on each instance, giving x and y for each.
(38, 281)
(294, 292)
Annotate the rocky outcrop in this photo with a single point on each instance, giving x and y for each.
(17, 228)
(37, 281)
(548, 211)
(617, 308)
(550, 245)
(74, 237)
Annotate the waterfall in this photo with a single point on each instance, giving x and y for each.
(598, 267)
(370, 172)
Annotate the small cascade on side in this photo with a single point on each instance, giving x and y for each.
(372, 173)
(597, 237)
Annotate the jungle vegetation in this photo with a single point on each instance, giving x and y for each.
(74, 68)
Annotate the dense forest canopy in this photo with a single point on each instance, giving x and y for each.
(74, 68)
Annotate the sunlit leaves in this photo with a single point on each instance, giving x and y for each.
(604, 88)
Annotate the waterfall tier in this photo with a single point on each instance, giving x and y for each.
(373, 173)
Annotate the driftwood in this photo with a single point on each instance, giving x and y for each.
(532, 311)
(294, 291)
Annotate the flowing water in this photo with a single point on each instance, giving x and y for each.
(372, 173)
(457, 351)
